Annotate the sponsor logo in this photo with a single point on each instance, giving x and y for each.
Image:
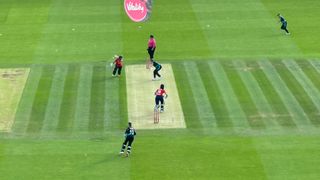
(138, 10)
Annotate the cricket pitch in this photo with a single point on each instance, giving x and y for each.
(141, 98)
(12, 82)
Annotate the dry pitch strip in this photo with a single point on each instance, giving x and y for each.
(12, 82)
(141, 98)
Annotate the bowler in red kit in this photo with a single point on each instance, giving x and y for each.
(118, 63)
(160, 93)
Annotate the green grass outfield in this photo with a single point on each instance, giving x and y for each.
(249, 93)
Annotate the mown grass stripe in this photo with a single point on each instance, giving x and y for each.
(315, 64)
(187, 99)
(112, 101)
(298, 92)
(279, 109)
(68, 105)
(310, 91)
(243, 96)
(313, 72)
(311, 76)
(41, 100)
(25, 106)
(55, 98)
(264, 110)
(295, 110)
(83, 100)
(207, 116)
(97, 102)
(239, 119)
(215, 97)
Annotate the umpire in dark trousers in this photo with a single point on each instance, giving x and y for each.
(151, 47)
(129, 138)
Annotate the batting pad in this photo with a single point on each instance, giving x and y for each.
(12, 82)
(141, 98)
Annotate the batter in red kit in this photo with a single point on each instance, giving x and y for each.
(118, 63)
(160, 93)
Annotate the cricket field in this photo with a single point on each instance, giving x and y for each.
(244, 97)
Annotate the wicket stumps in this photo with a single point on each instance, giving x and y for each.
(156, 114)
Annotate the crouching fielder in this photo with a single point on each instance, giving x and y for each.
(160, 93)
(157, 68)
(129, 138)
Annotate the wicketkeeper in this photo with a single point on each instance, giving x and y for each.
(157, 68)
(129, 134)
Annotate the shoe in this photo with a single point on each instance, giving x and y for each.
(154, 79)
(120, 153)
(161, 110)
(127, 154)
(118, 75)
(112, 74)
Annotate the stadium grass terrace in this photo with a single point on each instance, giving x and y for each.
(250, 94)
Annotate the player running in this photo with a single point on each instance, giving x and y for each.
(157, 67)
(129, 134)
(118, 63)
(160, 93)
(283, 23)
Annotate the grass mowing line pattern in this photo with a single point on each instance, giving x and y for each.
(69, 100)
(260, 102)
(313, 72)
(294, 108)
(41, 100)
(214, 95)
(191, 114)
(12, 82)
(279, 109)
(309, 89)
(207, 117)
(112, 101)
(243, 96)
(297, 90)
(98, 93)
(51, 118)
(82, 115)
(239, 119)
(25, 106)
(311, 76)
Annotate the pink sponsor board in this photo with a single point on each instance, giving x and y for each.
(138, 10)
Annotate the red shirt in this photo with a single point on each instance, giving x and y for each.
(118, 62)
(160, 92)
(152, 43)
